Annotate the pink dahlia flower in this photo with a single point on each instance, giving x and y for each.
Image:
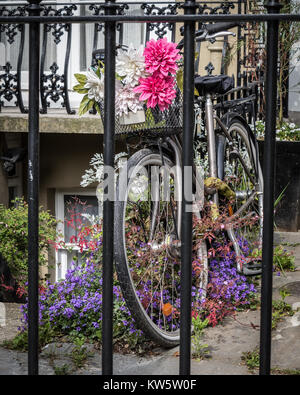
(161, 56)
(157, 91)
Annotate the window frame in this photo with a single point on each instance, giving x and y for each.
(61, 254)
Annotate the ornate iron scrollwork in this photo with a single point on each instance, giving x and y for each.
(222, 8)
(54, 86)
(212, 9)
(160, 28)
(8, 83)
(98, 9)
(10, 80)
(209, 68)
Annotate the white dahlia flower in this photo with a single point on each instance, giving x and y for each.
(130, 64)
(126, 100)
(95, 85)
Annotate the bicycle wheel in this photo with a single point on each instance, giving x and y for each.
(147, 246)
(242, 173)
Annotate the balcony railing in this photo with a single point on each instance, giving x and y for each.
(67, 48)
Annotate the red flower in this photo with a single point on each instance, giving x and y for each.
(161, 56)
(157, 91)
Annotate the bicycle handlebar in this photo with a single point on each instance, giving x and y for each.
(209, 29)
(212, 28)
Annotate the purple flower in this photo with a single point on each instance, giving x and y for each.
(75, 303)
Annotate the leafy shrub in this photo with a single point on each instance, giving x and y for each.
(251, 359)
(14, 237)
(283, 260)
(287, 131)
(199, 350)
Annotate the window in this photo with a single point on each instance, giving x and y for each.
(73, 209)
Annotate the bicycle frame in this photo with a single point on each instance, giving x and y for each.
(214, 125)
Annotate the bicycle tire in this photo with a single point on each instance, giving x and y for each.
(247, 238)
(160, 326)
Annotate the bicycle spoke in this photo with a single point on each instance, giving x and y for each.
(152, 252)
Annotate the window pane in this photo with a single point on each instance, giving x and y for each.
(75, 208)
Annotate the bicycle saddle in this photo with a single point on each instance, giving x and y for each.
(213, 84)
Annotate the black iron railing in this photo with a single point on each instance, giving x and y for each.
(111, 18)
(59, 37)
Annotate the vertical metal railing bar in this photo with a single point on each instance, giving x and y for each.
(19, 74)
(108, 204)
(187, 162)
(268, 201)
(42, 65)
(238, 52)
(66, 99)
(33, 190)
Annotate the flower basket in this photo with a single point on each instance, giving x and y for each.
(147, 97)
(133, 118)
(151, 121)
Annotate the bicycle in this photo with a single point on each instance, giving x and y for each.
(148, 206)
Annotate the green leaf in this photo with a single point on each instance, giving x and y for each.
(150, 121)
(118, 77)
(100, 69)
(96, 105)
(281, 195)
(101, 65)
(85, 105)
(149, 118)
(81, 78)
(98, 72)
(179, 79)
(80, 89)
